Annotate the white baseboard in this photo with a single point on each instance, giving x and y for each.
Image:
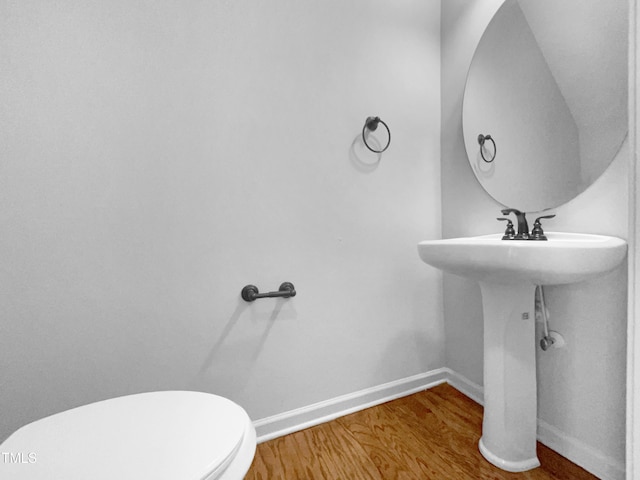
(305, 417)
(589, 458)
(472, 390)
(592, 460)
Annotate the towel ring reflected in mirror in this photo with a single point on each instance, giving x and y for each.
(483, 138)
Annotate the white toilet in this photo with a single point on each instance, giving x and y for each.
(172, 435)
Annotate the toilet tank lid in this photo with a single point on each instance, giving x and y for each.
(159, 435)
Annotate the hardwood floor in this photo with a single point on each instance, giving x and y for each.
(428, 435)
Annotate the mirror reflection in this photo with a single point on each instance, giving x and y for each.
(548, 84)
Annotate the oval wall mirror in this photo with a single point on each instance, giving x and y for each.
(548, 84)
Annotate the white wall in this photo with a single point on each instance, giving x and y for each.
(158, 156)
(633, 325)
(581, 387)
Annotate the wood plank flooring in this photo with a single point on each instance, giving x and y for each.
(428, 435)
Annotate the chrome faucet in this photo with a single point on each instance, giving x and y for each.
(523, 226)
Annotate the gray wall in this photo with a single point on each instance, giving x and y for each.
(158, 156)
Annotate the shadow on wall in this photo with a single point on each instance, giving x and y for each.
(417, 348)
(361, 157)
(392, 359)
(243, 355)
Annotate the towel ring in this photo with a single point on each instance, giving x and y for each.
(481, 140)
(371, 123)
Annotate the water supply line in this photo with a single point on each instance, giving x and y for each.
(547, 340)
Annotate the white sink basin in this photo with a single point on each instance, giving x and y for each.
(564, 258)
(508, 271)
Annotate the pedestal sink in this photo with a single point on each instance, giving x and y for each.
(508, 272)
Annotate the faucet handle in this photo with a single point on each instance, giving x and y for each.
(536, 232)
(509, 233)
(523, 226)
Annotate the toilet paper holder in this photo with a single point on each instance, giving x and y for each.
(250, 293)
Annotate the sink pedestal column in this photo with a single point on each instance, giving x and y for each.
(510, 397)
